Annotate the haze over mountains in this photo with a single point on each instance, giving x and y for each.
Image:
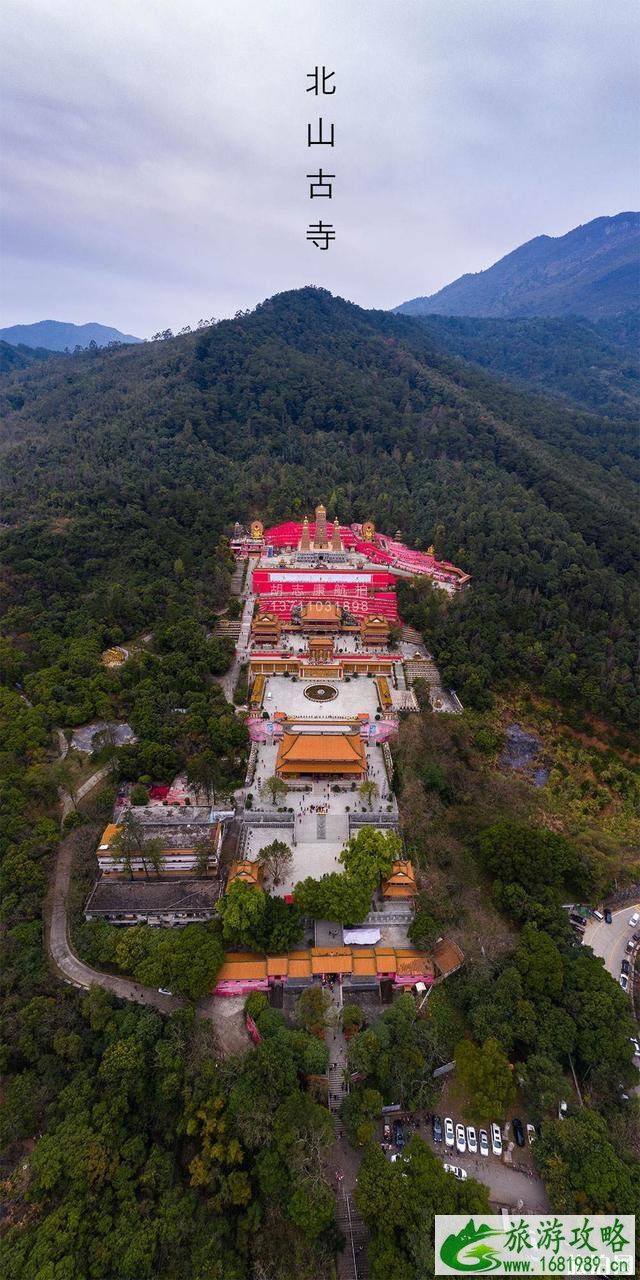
(592, 271)
(56, 335)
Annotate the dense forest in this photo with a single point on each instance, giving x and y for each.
(592, 363)
(132, 1150)
(118, 463)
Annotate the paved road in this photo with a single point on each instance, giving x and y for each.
(610, 940)
(69, 965)
(65, 798)
(228, 681)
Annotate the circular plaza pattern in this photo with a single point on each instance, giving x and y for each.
(321, 692)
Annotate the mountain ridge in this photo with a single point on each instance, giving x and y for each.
(591, 271)
(167, 444)
(58, 335)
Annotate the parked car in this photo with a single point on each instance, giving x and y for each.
(636, 1046)
(483, 1142)
(607, 916)
(518, 1131)
(636, 937)
(398, 1134)
(460, 1174)
(162, 991)
(397, 1155)
(597, 915)
(449, 1137)
(461, 1139)
(387, 1133)
(624, 982)
(472, 1141)
(531, 1134)
(635, 920)
(496, 1139)
(625, 967)
(562, 1110)
(436, 1128)
(631, 946)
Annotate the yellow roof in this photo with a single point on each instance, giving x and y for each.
(401, 882)
(108, 834)
(321, 753)
(248, 872)
(362, 961)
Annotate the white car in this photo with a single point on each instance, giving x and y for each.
(496, 1140)
(162, 991)
(624, 981)
(483, 1141)
(472, 1141)
(449, 1137)
(461, 1140)
(460, 1174)
(634, 920)
(531, 1134)
(636, 1046)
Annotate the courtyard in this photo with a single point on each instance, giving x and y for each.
(356, 696)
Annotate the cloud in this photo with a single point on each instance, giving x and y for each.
(154, 155)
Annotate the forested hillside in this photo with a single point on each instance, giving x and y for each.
(593, 364)
(118, 463)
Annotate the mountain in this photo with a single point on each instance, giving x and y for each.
(20, 357)
(594, 364)
(592, 271)
(55, 335)
(122, 463)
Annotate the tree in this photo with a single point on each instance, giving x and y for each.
(128, 844)
(205, 853)
(544, 1084)
(154, 854)
(424, 931)
(334, 897)
(276, 860)
(370, 855)
(241, 909)
(486, 1077)
(203, 773)
(539, 963)
(369, 791)
(312, 1009)
(275, 788)
(581, 1170)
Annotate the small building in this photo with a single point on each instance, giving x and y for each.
(266, 628)
(320, 649)
(374, 630)
(321, 755)
(245, 872)
(179, 834)
(321, 615)
(401, 882)
(155, 902)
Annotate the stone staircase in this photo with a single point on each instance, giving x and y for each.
(352, 1262)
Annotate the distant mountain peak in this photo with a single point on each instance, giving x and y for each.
(57, 335)
(592, 271)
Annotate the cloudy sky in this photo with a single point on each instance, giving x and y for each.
(154, 152)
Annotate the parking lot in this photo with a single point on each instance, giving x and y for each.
(511, 1179)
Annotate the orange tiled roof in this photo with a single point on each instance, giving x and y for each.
(318, 610)
(321, 753)
(401, 882)
(248, 872)
(108, 834)
(362, 961)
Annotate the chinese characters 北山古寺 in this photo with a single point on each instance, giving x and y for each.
(320, 233)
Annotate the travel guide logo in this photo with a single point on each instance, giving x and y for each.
(566, 1244)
